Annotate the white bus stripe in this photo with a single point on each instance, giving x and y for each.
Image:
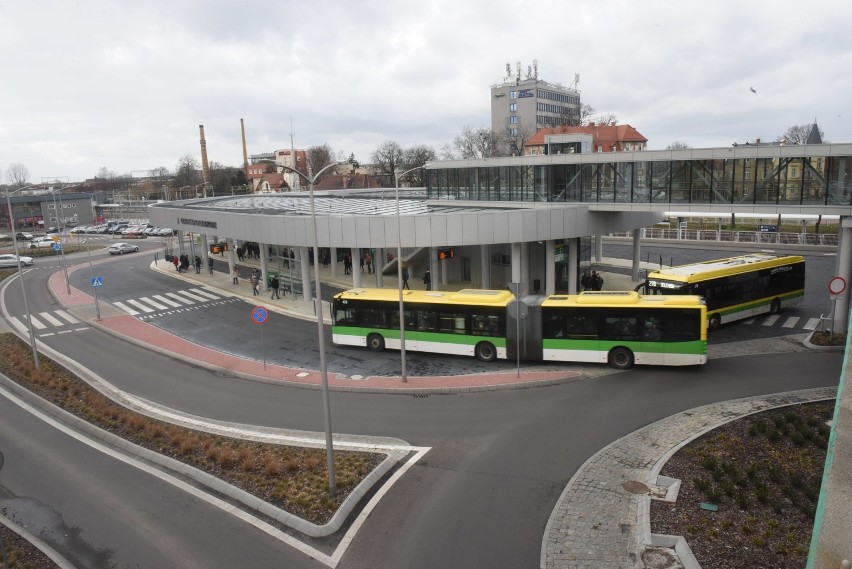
(790, 322)
(165, 300)
(126, 308)
(67, 317)
(47, 316)
(153, 303)
(179, 298)
(140, 306)
(811, 324)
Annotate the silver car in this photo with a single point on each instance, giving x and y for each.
(9, 260)
(122, 248)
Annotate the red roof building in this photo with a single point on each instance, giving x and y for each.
(604, 138)
(351, 181)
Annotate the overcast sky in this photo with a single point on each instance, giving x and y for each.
(124, 85)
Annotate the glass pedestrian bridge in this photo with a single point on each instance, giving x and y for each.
(776, 177)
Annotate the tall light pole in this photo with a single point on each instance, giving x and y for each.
(329, 448)
(21, 273)
(63, 260)
(397, 176)
(92, 273)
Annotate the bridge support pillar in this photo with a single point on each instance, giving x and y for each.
(637, 233)
(550, 267)
(844, 269)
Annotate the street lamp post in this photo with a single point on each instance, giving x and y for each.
(21, 273)
(63, 260)
(329, 444)
(397, 176)
(92, 273)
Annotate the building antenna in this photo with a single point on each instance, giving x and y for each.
(508, 71)
(535, 69)
(518, 77)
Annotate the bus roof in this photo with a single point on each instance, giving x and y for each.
(723, 267)
(468, 296)
(623, 298)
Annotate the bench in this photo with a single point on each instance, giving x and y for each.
(293, 286)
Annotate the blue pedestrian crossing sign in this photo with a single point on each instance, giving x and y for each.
(97, 281)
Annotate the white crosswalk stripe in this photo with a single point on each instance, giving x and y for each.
(811, 324)
(67, 317)
(37, 324)
(194, 297)
(179, 298)
(165, 300)
(140, 306)
(15, 321)
(47, 316)
(204, 293)
(221, 293)
(126, 308)
(790, 322)
(153, 303)
(771, 320)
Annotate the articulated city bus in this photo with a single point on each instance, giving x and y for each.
(736, 287)
(619, 328)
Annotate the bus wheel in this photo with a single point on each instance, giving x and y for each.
(485, 352)
(715, 322)
(775, 307)
(621, 358)
(376, 343)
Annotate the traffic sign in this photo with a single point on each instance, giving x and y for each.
(259, 314)
(57, 246)
(837, 285)
(97, 281)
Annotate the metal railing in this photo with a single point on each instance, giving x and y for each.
(726, 236)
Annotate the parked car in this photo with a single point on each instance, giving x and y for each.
(41, 243)
(7, 261)
(122, 248)
(24, 235)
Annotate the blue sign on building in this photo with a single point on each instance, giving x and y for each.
(767, 228)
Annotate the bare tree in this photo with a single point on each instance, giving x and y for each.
(606, 120)
(318, 158)
(798, 134)
(515, 143)
(477, 142)
(187, 172)
(17, 174)
(387, 158)
(414, 157)
(678, 145)
(586, 114)
(223, 177)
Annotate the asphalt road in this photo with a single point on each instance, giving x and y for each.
(479, 498)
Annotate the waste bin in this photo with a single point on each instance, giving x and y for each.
(269, 275)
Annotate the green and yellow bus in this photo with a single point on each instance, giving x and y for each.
(623, 328)
(737, 287)
(619, 328)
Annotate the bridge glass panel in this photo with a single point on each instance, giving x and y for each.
(574, 183)
(681, 180)
(503, 180)
(623, 181)
(641, 187)
(542, 189)
(773, 183)
(661, 176)
(791, 186)
(606, 183)
(721, 183)
(589, 179)
(839, 170)
(558, 177)
(744, 177)
(814, 182)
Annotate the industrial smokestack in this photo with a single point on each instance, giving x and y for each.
(245, 153)
(205, 171)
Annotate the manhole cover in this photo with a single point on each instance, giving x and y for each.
(659, 559)
(635, 487)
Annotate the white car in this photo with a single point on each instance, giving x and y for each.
(122, 248)
(7, 261)
(41, 243)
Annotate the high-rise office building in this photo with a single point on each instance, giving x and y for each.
(522, 104)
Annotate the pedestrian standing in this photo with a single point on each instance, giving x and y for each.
(362, 262)
(368, 260)
(176, 262)
(197, 265)
(405, 278)
(235, 275)
(347, 264)
(210, 265)
(255, 280)
(427, 280)
(274, 284)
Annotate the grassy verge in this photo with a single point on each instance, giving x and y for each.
(291, 478)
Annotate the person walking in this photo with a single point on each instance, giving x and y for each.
(176, 262)
(210, 265)
(347, 264)
(274, 284)
(405, 278)
(427, 280)
(368, 260)
(197, 265)
(235, 275)
(255, 280)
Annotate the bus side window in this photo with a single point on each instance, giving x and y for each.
(426, 321)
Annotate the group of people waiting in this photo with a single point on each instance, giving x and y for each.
(592, 281)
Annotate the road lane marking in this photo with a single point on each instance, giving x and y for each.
(18, 324)
(165, 300)
(790, 322)
(811, 324)
(179, 298)
(771, 320)
(140, 306)
(37, 324)
(194, 297)
(47, 316)
(153, 303)
(67, 317)
(126, 308)
(205, 294)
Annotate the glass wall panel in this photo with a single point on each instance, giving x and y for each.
(590, 181)
(773, 183)
(708, 177)
(681, 179)
(839, 170)
(661, 177)
(814, 182)
(433, 189)
(623, 180)
(606, 183)
(542, 176)
(744, 175)
(503, 175)
(791, 191)
(559, 174)
(573, 184)
(641, 187)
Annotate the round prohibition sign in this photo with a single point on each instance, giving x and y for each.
(259, 314)
(837, 285)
